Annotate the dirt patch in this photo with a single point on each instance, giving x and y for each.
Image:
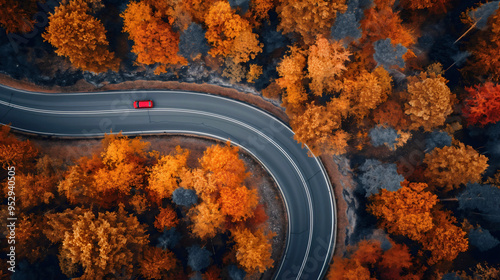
(68, 151)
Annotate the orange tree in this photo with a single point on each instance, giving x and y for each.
(154, 39)
(308, 18)
(35, 189)
(446, 240)
(325, 63)
(165, 175)
(485, 49)
(430, 101)
(406, 211)
(318, 127)
(157, 263)
(108, 177)
(259, 11)
(166, 219)
(368, 261)
(16, 16)
(434, 6)
(367, 91)
(78, 35)
(449, 167)
(319, 67)
(238, 203)
(379, 23)
(224, 165)
(253, 249)
(291, 72)
(410, 211)
(483, 105)
(229, 34)
(198, 8)
(102, 244)
(208, 221)
(14, 152)
(172, 11)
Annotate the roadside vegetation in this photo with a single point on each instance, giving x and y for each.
(130, 211)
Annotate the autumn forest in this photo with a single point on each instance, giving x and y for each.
(403, 96)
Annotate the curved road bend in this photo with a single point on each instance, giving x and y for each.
(302, 179)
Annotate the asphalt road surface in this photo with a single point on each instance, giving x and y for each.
(302, 180)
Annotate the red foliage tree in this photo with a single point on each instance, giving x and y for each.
(483, 106)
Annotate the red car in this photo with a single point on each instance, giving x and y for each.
(143, 104)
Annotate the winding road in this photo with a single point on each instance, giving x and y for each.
(302, 180)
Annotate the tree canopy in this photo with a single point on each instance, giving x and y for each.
(154, 40)
(81, 37)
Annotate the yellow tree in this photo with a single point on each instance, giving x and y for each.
(406, 211)
(229, 34)
(291, 72)
(154, 39)
(309, 18)
(253, 250)
(77, 185)
(198, 8)
(325, 63)
(172, 11)
(166, 219)
(430, 101)
(165, 175)
(254, 73)
(120, 149)
(319, 127)
(367, 91)
(449, 167)
(14, 152)
(16, 16)
(103, 244)
(109, 176)
(76, 34)
(207, 219)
